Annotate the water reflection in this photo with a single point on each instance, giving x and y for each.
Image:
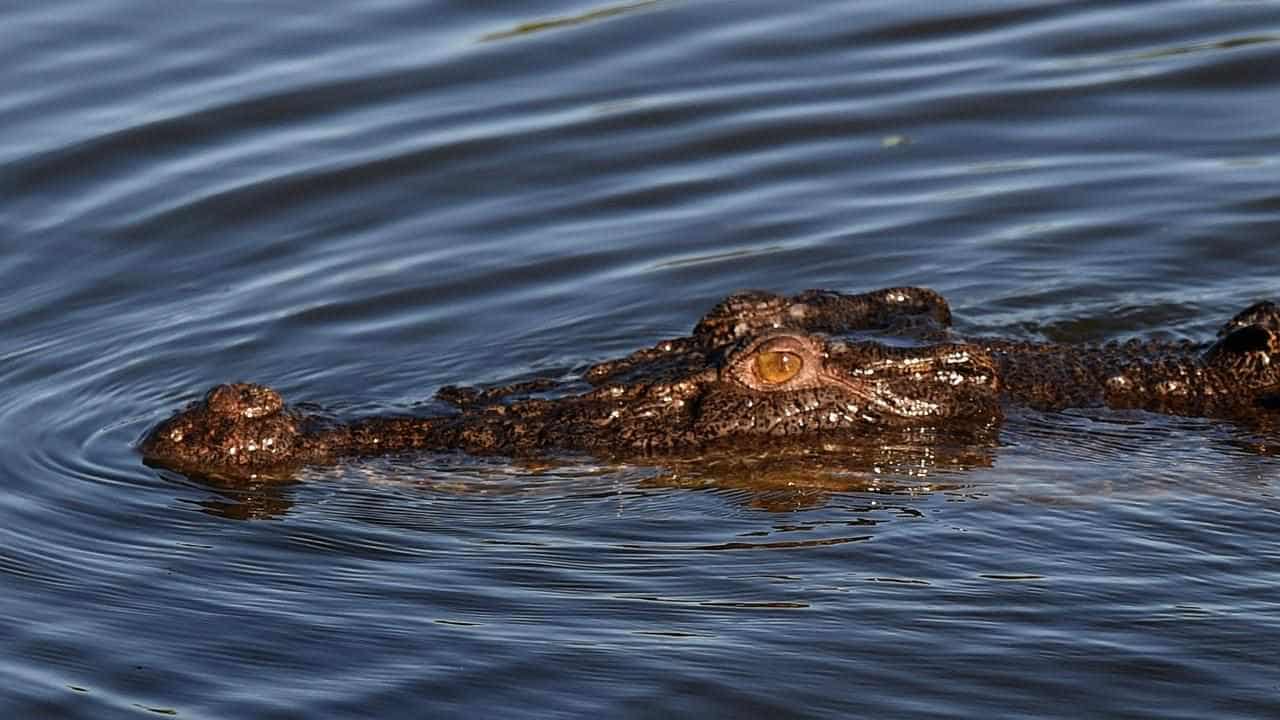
(267, 503)
(916, 461)
(240, 499)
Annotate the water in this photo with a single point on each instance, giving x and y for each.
(358, 203)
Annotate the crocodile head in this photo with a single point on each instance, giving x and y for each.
(777, 388)
(758, 370)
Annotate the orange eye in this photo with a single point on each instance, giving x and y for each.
(777, 366)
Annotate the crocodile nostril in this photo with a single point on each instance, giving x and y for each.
(243, 400)
(223, 400)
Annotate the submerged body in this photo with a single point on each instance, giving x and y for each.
(757, 368)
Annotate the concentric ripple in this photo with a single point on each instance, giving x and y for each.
(358, 203)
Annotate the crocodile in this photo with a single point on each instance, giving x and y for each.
(759, 370)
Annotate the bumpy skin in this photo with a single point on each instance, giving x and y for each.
(1236, 376)
(758, 369)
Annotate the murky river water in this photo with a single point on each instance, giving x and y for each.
(358, 203)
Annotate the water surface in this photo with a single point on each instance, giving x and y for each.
(360, 203)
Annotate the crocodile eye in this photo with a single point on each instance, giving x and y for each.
(777, 366)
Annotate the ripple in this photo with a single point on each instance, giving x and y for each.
(591, 16)
(360, 203)
(785, 544)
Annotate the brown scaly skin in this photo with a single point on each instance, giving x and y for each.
(714, 390)
(1236, 376)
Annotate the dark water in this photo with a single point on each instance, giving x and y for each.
(360, 202)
